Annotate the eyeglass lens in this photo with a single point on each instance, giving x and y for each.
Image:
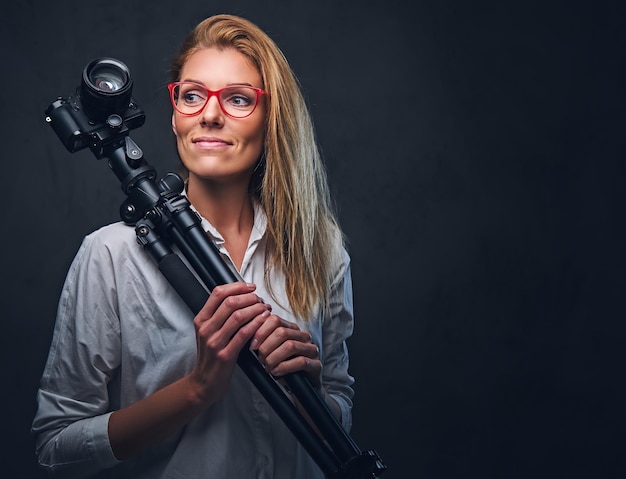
(237, 101)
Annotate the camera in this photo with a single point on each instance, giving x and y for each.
(102, 111)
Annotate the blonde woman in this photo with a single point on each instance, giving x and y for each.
(134, 385)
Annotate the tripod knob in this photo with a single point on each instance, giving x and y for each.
(171, 182)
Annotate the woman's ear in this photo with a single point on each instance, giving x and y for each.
(174, 125)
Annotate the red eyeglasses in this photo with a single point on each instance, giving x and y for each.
(237, 101)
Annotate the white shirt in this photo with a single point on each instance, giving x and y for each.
(122, 333)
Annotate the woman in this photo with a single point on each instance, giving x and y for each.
(134, 385)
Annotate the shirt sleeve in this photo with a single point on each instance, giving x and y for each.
(71, 421)
(338, 325)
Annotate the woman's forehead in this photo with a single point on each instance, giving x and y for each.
(222, 66)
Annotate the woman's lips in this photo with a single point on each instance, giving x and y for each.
(210, 142)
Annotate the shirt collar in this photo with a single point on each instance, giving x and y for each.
(258, 228)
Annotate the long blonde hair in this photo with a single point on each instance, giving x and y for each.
(290, 183)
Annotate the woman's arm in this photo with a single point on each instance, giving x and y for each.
(74, 428)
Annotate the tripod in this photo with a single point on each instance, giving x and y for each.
(163, 217)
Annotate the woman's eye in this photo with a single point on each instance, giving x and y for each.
(239, 100)
(238, 97)
(192, 97)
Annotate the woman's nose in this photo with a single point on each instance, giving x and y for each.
(212, 112)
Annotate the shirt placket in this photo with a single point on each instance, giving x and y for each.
(264, 446)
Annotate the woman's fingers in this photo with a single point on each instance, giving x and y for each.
(236, 337)
(278, 329)
(311, 366)
(283, 348)
(220, 293)
(228, 308)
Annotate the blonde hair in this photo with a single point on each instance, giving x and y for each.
(291, 183)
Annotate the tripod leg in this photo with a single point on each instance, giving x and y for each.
(195, 295)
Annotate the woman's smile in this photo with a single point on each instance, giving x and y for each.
(210, 143)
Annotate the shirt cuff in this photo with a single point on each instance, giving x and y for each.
(98, 444)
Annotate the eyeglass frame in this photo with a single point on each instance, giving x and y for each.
(214, 93)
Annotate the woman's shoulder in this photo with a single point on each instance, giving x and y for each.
(113, 247)
(113, 240)
(113, 234)
(339, 257)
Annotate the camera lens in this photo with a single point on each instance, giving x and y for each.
(107, 77)
(106, 88)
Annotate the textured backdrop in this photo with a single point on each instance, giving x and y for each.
(476, 154)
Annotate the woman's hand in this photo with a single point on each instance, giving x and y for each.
(284, 348)
(229, 319)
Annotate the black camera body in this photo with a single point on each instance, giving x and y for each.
(102, 111)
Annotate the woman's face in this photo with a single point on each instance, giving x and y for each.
(213, 145)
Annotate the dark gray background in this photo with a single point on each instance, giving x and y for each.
(475, 151)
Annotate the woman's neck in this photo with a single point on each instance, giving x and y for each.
(225, 206)
(228, 208)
